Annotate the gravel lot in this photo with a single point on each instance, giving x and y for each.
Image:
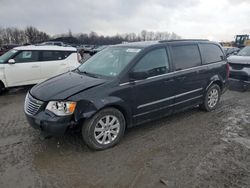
(189, 149)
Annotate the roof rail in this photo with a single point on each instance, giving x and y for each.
(183, 40)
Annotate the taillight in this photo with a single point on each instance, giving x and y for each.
(227, 70)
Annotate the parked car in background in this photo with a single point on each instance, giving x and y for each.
(231, 50)
(54, 43)
(27, 65)
(97, 49)
(126, 85)
(88, 48)
(6, 48)
(240, 65)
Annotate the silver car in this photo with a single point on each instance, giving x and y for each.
(240, 65)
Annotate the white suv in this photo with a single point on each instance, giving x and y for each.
(26, 65)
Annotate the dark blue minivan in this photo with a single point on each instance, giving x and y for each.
(126, 85)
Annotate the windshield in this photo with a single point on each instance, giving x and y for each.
(245, 51)
(109, 62)
(7, 55)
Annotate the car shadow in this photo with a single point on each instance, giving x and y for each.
(16, 90)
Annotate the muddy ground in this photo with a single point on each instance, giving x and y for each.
(189, 149)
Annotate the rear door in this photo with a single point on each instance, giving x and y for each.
(189, 78)
(26, 69)
(215, 61)
(53, 63)
(152, 97)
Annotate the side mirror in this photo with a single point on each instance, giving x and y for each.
(138, 75)
(11, 61)
(235, 53)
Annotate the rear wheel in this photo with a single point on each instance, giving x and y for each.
(104, 130)
(212, 98)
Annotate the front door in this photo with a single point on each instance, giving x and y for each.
(26, 69)
(153, 97)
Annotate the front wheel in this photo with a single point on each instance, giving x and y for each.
(212, 98)
(104, 130)
(1, 88)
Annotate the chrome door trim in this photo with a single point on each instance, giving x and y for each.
(168, 98)
(161, 108)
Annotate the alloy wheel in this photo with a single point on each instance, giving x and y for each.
(213, 98)
(107, 129)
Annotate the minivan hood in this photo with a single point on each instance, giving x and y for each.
(239, 59)
(63, 86)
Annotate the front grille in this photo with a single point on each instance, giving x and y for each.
(32, 105)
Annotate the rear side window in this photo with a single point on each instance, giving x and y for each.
(54, 55)
(211, 53)
(26, 56)
(154, 63)
(186, 56)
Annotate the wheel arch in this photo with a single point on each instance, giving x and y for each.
(127, 118)
(2, 84)
(215, 80)
(99, 105)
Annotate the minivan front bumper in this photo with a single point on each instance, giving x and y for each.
(52, 126)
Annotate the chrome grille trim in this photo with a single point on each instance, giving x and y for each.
(32, 105)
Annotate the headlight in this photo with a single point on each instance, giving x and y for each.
(61, 108)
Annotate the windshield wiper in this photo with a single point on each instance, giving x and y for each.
(89, 74)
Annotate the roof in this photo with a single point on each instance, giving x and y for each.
(145, 44)
(142, 44)
(45, 47)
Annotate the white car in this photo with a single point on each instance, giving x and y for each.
(26, 65)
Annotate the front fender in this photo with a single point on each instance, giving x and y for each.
(86, 109)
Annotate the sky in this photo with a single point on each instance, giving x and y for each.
(218, 20)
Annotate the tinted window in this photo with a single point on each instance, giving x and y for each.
(211, 53)
(51, 55)
(155, 63)
(26, 56)
(54, 55)
(186, 56)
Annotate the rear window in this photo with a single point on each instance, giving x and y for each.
(186, 56)
(54, 55)
(211, 53)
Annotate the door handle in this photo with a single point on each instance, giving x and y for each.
(63, 64)
(35, 66)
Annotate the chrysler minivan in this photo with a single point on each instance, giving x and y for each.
(126, 85)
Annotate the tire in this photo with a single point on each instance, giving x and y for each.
(212, 98)
(1, 88)
(100, 135)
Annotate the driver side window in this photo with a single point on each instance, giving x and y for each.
(154, 63)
